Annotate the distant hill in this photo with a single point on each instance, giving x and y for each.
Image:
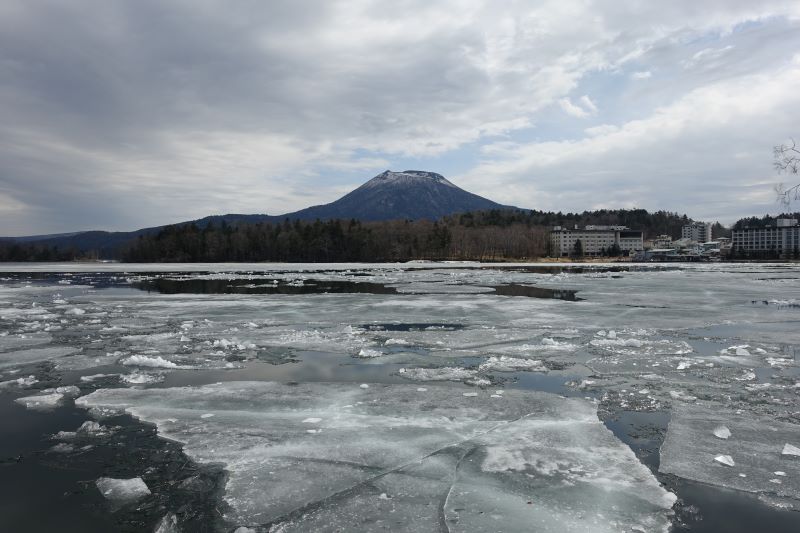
(411, 194)
(485, 235)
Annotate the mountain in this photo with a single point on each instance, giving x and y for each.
(411, 194)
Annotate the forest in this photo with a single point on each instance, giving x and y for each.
(761, 222)
(493, 235)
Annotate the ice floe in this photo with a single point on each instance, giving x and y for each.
(153, 362)
(122, 491)
(49, 399)
(523, 460)
(693, 450)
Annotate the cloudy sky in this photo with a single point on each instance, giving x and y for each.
(120, 115)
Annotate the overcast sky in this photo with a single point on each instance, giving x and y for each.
(120, 115)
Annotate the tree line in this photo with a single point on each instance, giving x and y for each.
(336, 241)
(492, 235)
(762, 222)
(14, 251)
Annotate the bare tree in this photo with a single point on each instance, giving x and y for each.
(787, 159)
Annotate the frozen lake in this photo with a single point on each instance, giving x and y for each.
(410, 397)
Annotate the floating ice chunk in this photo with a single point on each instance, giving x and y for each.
(789, 449)
(141, 378)
(223, 343)
(470, 394)
(691, 451)
(437, 374)
(364, 386)
(95, 377)
(614, 341)
(312, 420)
(122, 490)
(206, 415)
(547, 345)
(722, 432)
(368, 353)
(154, 362)
(482, 460)
(779, 473)
(168, 524)
(49, 398)
(63, 447)
(780, 362)
(243, 529)
(396, 342)
(75, 311)
(422, 389)
(91, 427)
(726, 460)
(504, 363)
(35, 355)
(19, 382)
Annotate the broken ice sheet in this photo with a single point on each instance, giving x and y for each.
(691, 449)
(473, 463)
(122, 491)
(49, 399)
(34, 355)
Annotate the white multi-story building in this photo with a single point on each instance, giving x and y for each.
(697, 232)
(662, 242)
(595, 240)
(782, 239)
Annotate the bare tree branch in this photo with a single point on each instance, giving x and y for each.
(787, 159)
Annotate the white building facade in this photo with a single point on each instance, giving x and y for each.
(697, 232)
(662, 242)
(595, 240)
(780, 240)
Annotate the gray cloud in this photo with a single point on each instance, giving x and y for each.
(128, 114)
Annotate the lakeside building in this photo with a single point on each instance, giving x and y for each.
(687, 250)
(662, 242)
(779, 240)
(595, 240)
(697, 232)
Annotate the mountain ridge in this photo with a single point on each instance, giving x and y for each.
(408, 194)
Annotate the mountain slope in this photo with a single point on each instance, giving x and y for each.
(412, 194)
